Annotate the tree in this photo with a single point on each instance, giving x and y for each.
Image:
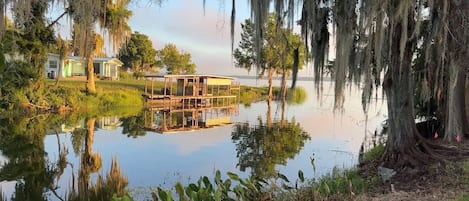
(30, 19)
(383, 37)
(63, 49)
(281, 48)
(174, 61)
(138, 53)
(113, 17)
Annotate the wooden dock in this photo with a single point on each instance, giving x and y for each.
(191, 91)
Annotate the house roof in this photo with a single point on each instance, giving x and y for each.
(104, 59)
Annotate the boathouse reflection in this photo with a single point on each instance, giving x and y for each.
(176, 119)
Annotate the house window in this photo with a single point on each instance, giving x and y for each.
(52, 64)
(97, 69)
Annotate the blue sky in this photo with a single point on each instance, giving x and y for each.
(205, 35)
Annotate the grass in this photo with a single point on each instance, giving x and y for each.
(248, 94)
(373, 154)
(339, 185)
(109, 94)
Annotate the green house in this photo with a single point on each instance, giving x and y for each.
(72, 67)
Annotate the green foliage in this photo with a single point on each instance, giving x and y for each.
(297, 96)
(138, 53)
(110, 94)
(124, 75)
(263, 146)
(374, 154)
(138, 75)
(174, 61)
(339, 185)
(15, 80)
(133, 126)
(115, 21)
(218, 189)
(277, 51)
(244, 55)
(250, 95)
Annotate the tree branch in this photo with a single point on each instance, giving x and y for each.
(58, 18)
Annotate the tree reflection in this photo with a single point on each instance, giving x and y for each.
(22, 142)
(262, 146)
(105, 188)
(134, 126)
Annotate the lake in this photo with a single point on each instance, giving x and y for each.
(261, 139)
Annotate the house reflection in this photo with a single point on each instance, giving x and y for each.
(177, 119)
(108, 123)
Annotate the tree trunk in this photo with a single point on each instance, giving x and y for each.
(284, 109)
(284, 84)
(296, 55)
(90, 84)
(401, 145)
(269, 114)
(59, 72)
(455, 116)
(456, 120)
(271, 74)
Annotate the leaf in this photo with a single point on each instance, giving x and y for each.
(162, 194)
(326, 188)
(301, 176)
(286, 187)
(233, 176)
(154, 196)
(240, 192)
(227, 184)
(217, 177)
(180, 191)
(218, 195)
(207, 183)
(283, 177)
(194, 188)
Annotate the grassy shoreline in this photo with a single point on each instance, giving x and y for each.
(70, 95)
(122, 93)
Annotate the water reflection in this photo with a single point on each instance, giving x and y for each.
(36, 177)
(265, 144)
(22, 143)
(180, 119)
(134, 126)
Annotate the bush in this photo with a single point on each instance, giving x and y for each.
(373, 154)
(124, 75)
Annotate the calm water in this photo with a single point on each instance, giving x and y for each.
(257, 141)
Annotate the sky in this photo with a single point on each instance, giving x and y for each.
(204, 33)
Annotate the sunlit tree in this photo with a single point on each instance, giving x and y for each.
(281, 48)
(175, 61)
(138, 53)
